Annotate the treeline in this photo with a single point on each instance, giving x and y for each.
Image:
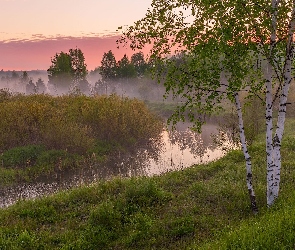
(111, 69)
(22, 82)
(68, 74)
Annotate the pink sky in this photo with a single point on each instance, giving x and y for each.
(33, 31)
(29, 55)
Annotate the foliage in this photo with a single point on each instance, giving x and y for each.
(227, 136)
(37, 129)
(5, 95)
(139, 62)
(31, 88)
(40, 86)
(79, 67)
(60, 72)
(67, 70)
(73, 123)
(108, 68)
(112, 70)
(203, 207)
(27, 163)
(21, 156)
(38, 120)
(223, 48)
(254, 119)
(24, 79)
(125, 68)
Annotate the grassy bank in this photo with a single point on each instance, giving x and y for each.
(203, 207)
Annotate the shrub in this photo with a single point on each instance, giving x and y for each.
(53, 157)
(21, 156)
(74, 123)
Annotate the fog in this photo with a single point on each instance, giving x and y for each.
(29, 82)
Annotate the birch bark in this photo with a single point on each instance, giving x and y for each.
(277, 139)
(269, 129)
(249, 178)
(270, 179)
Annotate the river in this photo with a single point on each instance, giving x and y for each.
(174, 150)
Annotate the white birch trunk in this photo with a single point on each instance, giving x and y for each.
(270, 197)
(269, 129)
(283, 107)
(247, 156)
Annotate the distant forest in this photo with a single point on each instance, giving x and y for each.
(68, 74)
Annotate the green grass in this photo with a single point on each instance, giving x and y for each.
(272, 230)
(164, 108)
(203, 207)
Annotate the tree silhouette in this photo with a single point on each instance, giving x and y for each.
(67, 71)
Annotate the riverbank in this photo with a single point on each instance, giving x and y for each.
(42, 136)
(31, 167)
(203, 207)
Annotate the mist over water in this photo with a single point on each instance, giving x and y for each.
(11, 80)
(174, 150)
(141, 88)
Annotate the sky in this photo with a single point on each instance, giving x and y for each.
(33, 31)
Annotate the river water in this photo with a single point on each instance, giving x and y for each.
(174, 150)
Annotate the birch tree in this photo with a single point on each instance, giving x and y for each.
(221, 41)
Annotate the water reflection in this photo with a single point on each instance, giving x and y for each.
(173, 150)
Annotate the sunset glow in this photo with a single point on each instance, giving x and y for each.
(32, 31)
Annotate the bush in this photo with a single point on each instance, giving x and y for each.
(55, 157)
(21, 156)
(74, 123)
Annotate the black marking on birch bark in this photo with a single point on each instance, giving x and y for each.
(253, 202)
(276, 141)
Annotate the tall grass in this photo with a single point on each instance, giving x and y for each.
(40, 131)
(74, 123)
